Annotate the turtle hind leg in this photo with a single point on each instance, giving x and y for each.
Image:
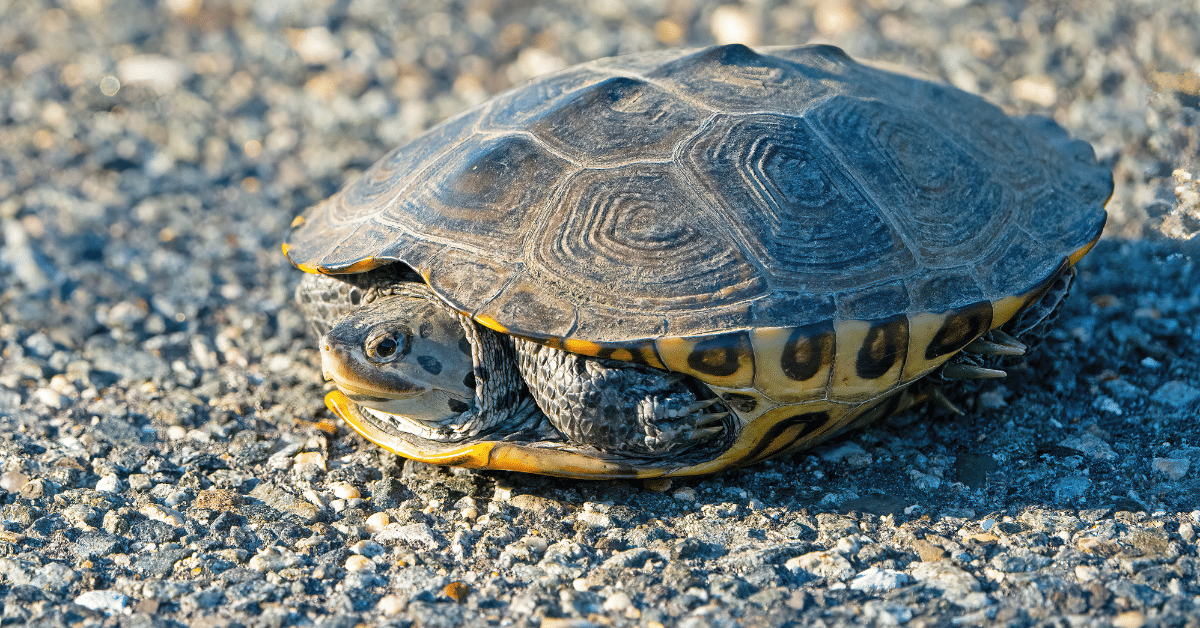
(621, 408)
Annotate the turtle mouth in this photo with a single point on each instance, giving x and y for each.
(342, 366)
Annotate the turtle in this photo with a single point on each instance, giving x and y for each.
(677, 262)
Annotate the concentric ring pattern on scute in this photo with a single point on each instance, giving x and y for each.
(717, 191)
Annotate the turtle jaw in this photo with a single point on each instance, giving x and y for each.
(347, 368)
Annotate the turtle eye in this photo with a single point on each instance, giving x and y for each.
(386, 346)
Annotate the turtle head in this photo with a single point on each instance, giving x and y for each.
(402, 356)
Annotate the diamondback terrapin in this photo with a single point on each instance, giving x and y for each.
(672, 263)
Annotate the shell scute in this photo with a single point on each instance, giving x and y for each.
(618, 120)
(736, 78)
(487, 194)
(937, 194)
(645, 227)
(793, 205)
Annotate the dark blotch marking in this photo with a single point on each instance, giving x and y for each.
(638, 352)
(740, 402)
(717, 356)
(425, 330)
(809, 422)
(355, 296)
(458, 406)
(464, 345)
(883, 347)
(430, 363)
(959, 329)
(469, 381)
(807, 351)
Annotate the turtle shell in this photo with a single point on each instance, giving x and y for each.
(789, 222)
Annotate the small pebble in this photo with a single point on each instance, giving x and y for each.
(12, 481)
(370, 549)
(1174, 468)
(391, 604)
(457, 591)
(109, 484)
(163, 514)
(618, 602)
(343, 490)
(377, 522)
(1176, 394)
(685, 494)
(310, 457)
(359, 563)
(50, 398)
(103, 600)
(1086, 573)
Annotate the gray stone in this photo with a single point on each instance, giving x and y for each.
(418, 535)
(93, 544)
(1176, 394)
(876, 580)
(1090, 445)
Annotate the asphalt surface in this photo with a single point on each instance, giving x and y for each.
(167, 459)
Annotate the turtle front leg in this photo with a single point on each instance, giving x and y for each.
(618, 407)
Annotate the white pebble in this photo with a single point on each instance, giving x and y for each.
(103, 601)
(392, 604)
(370, 549)
(345, 490)
(50, 398)
(359, 563)
(618, 602)
(1086, 573)
(163, 514)
(377, 522)
(685, 494)
(109, 484)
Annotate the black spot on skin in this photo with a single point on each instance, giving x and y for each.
(808, 422)
(740, 402)
(464, 345)
(883, 347)
(458, 406)
(425, 330)
(718, 356)
(430, 363)
(959, 329)
(808, 349)
(469, 381)
(355, 296)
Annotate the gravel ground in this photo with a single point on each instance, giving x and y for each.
(167, 459)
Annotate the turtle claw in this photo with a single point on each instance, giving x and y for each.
(970, 371)
(700, 405)
(942, 400)
(704, 433)
(711, 419)
(1000, 343)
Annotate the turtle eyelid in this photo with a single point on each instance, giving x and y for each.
(387, 344)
